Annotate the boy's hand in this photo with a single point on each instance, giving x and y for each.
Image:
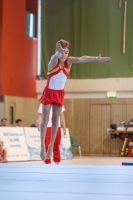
(59, 48)
(64, 131)
(103, 59)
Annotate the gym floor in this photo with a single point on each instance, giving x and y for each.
(89, 160)
(85, 178)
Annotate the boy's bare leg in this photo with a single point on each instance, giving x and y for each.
(45, 118)
(55, 119)
(4, 161)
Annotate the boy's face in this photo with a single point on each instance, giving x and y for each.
(4, 122)
(64, 56)
(1, 147)
(19, 123)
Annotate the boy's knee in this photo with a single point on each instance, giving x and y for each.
(45, 118)
(55, 120)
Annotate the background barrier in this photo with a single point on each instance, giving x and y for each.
(14, 143)
(24, 144)
(65, 145)
(33, 140)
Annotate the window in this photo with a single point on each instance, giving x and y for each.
(30, 25)
(11, 114)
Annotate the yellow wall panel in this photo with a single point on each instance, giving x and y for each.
(87, 120)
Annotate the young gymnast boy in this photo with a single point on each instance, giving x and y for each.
(53, 95)
(3, 153)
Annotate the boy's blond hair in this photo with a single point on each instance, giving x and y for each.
(1, 142)
(64, 43)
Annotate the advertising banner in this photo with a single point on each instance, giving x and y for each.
(14, 143)
(34, 143)
(65, 145)
(33, 140)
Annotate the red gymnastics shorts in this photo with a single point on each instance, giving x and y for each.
(55, 97)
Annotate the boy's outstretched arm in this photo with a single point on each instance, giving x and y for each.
(85, 59)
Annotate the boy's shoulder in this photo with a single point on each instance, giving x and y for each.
(4, 151)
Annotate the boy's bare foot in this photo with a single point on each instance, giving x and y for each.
(43, 154)
(49, 152)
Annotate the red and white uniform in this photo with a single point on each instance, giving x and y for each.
(2, 153)
(56, 149)
(54, 90)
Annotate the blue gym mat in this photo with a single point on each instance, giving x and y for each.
(65, 182)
